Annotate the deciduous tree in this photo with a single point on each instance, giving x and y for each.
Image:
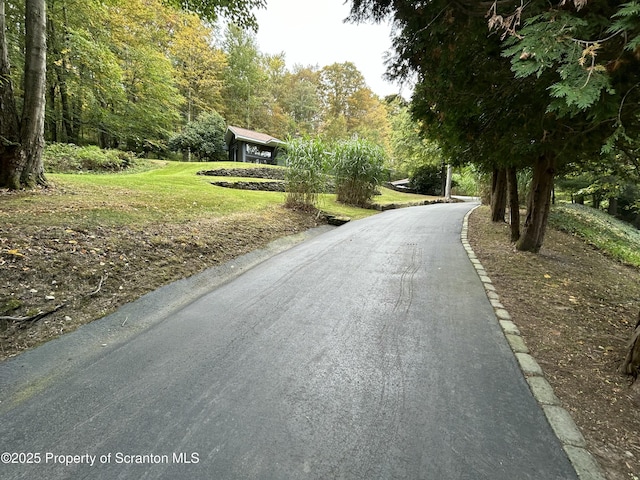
(203, 137)
(199, 66)
(22, 134)
(410, 150)
(244, 78)
(349, 107)
(22, 119)
(238, 12)
(301, 100)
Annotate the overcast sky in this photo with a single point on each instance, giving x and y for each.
(312, 32)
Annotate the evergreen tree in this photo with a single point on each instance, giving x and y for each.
(470, 100)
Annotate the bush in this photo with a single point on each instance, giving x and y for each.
(358, 166)
(305, 178)
(69, 158)
(203, 137)
(465, 182)
(427, 180)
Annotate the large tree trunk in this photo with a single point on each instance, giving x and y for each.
(21, 152)
(538, 206)
(32, 124)
(499, 195)
(9, 123)
(612, 209)
(514, 203)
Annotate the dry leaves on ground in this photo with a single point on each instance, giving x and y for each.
(576, 310)
(92, 272)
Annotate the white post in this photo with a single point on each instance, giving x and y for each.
(447, 190)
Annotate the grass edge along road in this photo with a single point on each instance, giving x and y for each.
(97, 241)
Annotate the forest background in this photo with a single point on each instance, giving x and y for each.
(132, 74)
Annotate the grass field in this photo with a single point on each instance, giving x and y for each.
(164, 192)
(614, 237)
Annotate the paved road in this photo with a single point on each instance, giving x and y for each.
(368, 352)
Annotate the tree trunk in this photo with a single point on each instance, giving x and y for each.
(52, 115)
(33, 112)
(447, 188)
(23, 141)
(613, 207)
(67, 112)
(631, 364)
(52, 121)
(538, 206)
(58, 46)
(9, 123)
(514, 203)
(499, 195)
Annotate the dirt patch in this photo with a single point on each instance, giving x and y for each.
(93, 272)
(576, 309)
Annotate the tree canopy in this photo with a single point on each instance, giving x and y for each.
(548, 85)
(136, 74)
(109, 67)
(237, 11)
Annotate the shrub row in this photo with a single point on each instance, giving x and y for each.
(69, 158)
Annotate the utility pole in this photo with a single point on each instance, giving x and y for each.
(447, 190)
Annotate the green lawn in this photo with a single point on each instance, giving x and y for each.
(162, 192)
(614, 237)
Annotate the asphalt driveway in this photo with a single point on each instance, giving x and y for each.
(368, 352)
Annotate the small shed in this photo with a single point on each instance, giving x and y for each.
(253, 147)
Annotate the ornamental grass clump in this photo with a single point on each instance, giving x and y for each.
(305, 179)
(358, 166)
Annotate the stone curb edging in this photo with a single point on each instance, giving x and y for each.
(573, 443)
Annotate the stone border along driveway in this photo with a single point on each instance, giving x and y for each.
(560, 420)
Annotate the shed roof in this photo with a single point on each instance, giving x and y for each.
(398, 183)
(251, 136)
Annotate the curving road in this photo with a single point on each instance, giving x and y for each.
(368, 352)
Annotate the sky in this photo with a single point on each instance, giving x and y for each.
(312, 32)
